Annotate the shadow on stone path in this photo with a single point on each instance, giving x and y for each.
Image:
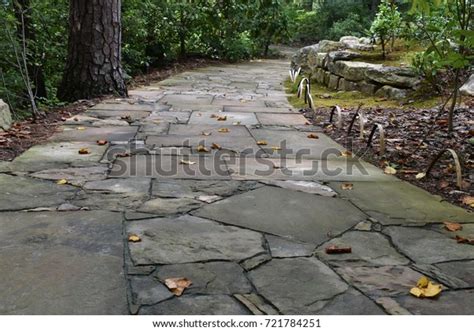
(216, 174)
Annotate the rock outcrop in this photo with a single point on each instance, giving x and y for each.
(337, 66)
(5, 116)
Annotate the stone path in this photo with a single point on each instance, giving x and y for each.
(246, 222)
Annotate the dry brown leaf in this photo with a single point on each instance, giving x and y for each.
(313, 136)
(216, 146)
(133, 238)
(223, 130)
(177, 285)
(335, 250)
(390, 170)
(262, 143)
(62, 182)
(347, 186)
(346, 153)
(124, 154)
(102, 142)
(426, 289)
(186, 162)
(202, 149)
(453, 227)
(84, 151)
(462, 240)
(222, 118)
(207, 134)
(468, 200)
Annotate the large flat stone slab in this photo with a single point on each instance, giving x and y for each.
(297, 286)
(170, 166)
(368, 248)
(140, 186)
(426, 247)
(277, 168)
(304, 217)
(212, 130)
(192, 189)
(58, 155)
(191, 239)
(76, 176)
(246, 109)
(400, 203)
(449, 303)
(208, 278)
(281, 119)
(111, 133)
(26, 193)
(296, 144)
(177, 99)
(124, 106)
(62, 263)
(197, 305)
(381, 281)
(211, 118)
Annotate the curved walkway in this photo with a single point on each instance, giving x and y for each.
(212, 176)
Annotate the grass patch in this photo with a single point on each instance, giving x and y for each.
(324, 97)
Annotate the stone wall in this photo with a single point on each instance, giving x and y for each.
(334, 64)
(5, 116)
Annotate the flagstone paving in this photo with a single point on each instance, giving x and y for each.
(247, 219)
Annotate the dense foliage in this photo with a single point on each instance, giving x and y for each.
(33, 41)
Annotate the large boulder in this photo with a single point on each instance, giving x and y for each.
(351, 42)
(326, 46)
(393, 76)
(468, 88)
(342, 56)
(351, 70)
(5, 116)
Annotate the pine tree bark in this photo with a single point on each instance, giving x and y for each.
(93, 65)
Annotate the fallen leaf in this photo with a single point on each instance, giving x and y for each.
(347, 186)
(102, 142)
(223, 130)
(202, 149)
(222, 118)
(468, 200)
(124, 154)
(453, 227)
(133, 238)
(237, 123)
(346, 153)
(276, 148)
(426, 289)
(80, 128)
(186, 162)
(216, 146)
(62, 182)
(390, 170)
(333, 249)
(313, 136)
(462, 240)
(262, 143)
(177, 285)
(84, 151)
(207, 134)
(421, 175)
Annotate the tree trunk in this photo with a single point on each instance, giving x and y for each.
(93, 66)
(27, 31)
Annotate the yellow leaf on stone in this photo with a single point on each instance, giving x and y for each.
(468, 200)
(62, 182)
(416, 292)
(84, 151)
(276, 148)
(186, 162)
(134, 238)
(390, 170)
(433, 290)
(202, 149)
(423, 282)
(80, 128)
(346, 153)
(262, 143)
(223, 130)
(216, 146)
